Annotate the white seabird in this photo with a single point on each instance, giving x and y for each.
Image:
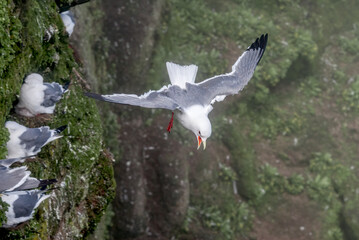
(194, 100)
(37, 96)
(12, 178)
(15, 179)
(22, 205)
(29, 141)
(69, 21)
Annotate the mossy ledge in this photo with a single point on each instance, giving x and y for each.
(34, 40)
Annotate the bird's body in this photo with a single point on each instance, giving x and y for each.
(29, 141)
(16, 179)
(22, 205)
(68, 21)
(37, 97)
(194, 100)
(12, 178)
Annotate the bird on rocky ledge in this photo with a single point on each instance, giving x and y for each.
(37, 96)
(29, 141)
(22, 205)
(194, 100)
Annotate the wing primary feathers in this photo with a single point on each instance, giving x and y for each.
(60, 129)
(66, 85)
(47, 182)
(260, 43)
(95, 96)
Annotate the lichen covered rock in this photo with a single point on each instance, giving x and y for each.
(37, 42)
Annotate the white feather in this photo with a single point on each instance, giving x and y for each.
(69, 24)
(179, 75)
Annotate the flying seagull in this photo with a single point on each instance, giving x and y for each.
(37, 96)
(22, 205)
(194, 100)
(29, 141)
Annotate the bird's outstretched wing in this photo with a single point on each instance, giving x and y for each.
(220, 86)
(151, 99)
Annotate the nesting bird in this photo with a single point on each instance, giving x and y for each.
(22, 205)
(194, 100)
(68, 20)
(29, 141)
(37, 96)
(12, 178)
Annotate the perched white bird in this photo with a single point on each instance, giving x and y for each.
(22, 205)
(29, 141)
(16, 179)
(69, 21)
(37, 96)
(12, 178)
(194, 100)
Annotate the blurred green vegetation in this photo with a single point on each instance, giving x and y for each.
(283, 107)
(291, 131)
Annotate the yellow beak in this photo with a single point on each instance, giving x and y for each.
(200, 141)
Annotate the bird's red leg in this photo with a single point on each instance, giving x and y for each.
(170, 125)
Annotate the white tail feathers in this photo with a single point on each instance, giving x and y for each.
(179, 75)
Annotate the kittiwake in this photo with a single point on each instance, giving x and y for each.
(22, 205)
(37, 96)
(29, 141)
(194, 100)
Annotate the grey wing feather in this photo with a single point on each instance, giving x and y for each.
(242, 72)
(52, 94)
(25, 204)
(151, 99)
(10, 178)
(28, 184)
(31, 183)
(35, 137)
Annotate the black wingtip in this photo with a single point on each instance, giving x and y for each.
(259, 43)
(60, 129)
(66, 85)
(94, 95)
(47, 182)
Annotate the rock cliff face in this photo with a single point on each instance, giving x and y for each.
(34, 40)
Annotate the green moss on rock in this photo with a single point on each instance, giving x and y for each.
(40, 44)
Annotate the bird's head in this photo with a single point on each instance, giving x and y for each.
(34, 78)
(195, 119)
(13, 126)
(203, 131)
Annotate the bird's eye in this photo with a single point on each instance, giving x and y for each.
(199, 132)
